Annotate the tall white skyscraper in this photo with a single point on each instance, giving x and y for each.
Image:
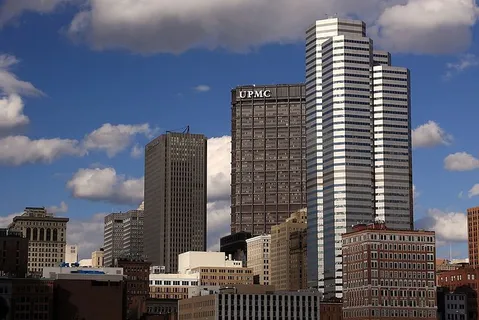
(358, 143)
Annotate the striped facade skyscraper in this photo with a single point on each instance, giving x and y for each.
(358, 143)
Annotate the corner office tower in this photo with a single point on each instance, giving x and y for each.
(268, 147)
(175, 198)
(358, 143)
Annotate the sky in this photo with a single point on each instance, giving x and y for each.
(85, 84)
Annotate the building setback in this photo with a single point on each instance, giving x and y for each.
(175, 197)
(268, 156)
(46, 236)
(358, 140)
(388, 274)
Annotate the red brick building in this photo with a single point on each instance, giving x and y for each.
(137, 275)
(388, 274)
(13, 254)
(331, 309)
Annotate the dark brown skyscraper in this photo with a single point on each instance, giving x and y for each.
(175, 198)
(268, 173)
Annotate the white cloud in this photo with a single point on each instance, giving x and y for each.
(6, 220)
(422, 25)
(136, 151)
(152, 26)
(474, 191)
(219, 168)
(106, 185)
(114, 138)
(19, 150)
(449, 226)
(11, 113)
(87, 234)
(218, 223)
(461, 161)
(415, 192)
(429, 135)
(9, 83)
(62, 208)
(202, 88)
(464, 62)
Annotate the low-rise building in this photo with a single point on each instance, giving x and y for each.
(98, 258)
(251, 302)
(172, 286)
(388, 273)
(71, 253)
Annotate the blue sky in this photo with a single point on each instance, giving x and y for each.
(98, 79)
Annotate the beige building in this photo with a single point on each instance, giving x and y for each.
(46, 235)
(388, 274)
(282, 268)
(71, 253)
(298, 273)
(173, 286)
(214, 268)
(98, 258)
(258, 257)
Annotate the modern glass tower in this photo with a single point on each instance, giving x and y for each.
(358, 143)
(175, 198)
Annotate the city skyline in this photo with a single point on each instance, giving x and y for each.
(200, 100)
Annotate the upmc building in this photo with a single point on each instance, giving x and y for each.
(268, 152)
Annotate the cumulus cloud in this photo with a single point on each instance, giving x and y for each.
(152, 26)
(202, 88)
(474, 191)
(11, 113)
(421, 26)
(62, 208)
(464, 62)
(218, 223)
(430, 135)
(461, 161)
(219, 168)
(9, 83)
(6, 220)
(19, 150)
(106, 185)
(449, 226)
(87, 234)
(114, 138)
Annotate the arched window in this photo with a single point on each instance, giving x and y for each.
(29, 233)
(55, 235)
(42, 234)
(35, 234)
(49, 234)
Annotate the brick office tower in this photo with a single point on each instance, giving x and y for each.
(268, 146)
(137, 273)
(388, 274)
(13, 253)
(473, 236)
(175, 198)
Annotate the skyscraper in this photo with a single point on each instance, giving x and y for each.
(473, 236)
(175, 197)
(113, 237)
(358, 141)
(268, 172)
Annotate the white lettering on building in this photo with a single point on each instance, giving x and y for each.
(255, 94)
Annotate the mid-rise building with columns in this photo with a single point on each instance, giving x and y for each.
(46, 236)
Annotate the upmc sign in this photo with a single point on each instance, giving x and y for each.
(255, 94)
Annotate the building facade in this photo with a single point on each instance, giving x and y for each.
(172, 285)
(133, 234)
(268, 171)
(358, 140)
(137, 282)
(235, 245)
(298, 259)
(71, 253)
(113, 237)
(281, 265)
(258, 257)
(14, 253)
(388, 274)
(98, 258)
(243, 303)
(46, 236)
(175, 197)
(473, 236)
